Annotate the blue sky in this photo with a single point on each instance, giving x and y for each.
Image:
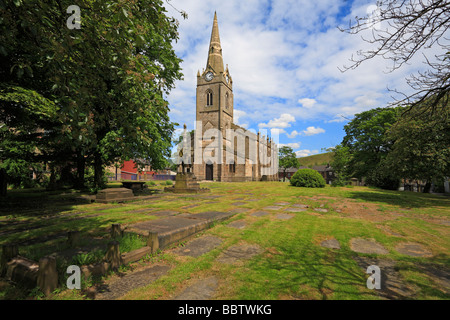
(284, 57)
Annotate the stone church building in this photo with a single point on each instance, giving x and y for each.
(224, 151)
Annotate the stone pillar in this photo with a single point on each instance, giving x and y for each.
(153, 241)
(9, 251)
(116, 230)
(47, 278)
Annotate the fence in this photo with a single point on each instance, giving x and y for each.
(140, 177)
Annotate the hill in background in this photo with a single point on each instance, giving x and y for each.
(316, 160)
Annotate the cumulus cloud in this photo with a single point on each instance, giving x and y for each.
(310, 131)
(294, 145)
(305, 153)
(307, 103)
(284, 121)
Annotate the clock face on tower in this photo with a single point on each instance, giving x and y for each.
(209, 76)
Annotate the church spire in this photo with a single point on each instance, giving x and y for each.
(215, 60)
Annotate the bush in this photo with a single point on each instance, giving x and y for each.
(308, 178)
(169, 182)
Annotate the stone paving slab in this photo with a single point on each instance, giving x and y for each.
(120, 287)
(294, 209)
(240, 224)
(239, 252)
(367, 246)
(298, 205)
(281, 203)
(413, 249)
(273, 208)
(203, 289)
(259, 213)
(199, 246)
(164, 213)
(331, 243)
(284, 216)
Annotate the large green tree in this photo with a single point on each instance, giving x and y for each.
(422, 145)
(108, 78)
(368, 145)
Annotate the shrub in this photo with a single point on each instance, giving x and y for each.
(308, 178)
(169, 182)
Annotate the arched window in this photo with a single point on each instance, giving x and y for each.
(209, 98)
(232, 167)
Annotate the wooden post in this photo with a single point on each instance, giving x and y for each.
(116, 230)
(113, 255)
(47, 278)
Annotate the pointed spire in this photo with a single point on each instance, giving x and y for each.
(215, 60)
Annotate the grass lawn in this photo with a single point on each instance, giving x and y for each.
(291, 263)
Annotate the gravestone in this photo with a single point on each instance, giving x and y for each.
(331, 243)
(239, 252)
(367, 246)
(114, 195)
(186, 182)
(201, 290)
(199, 246)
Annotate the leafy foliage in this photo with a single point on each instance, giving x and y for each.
(287, 159)
(308, 178)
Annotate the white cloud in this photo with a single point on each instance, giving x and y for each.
(284, 121)
(294, 145)
(310, 131)
(293, 134)
(307, 103)
(306, 152)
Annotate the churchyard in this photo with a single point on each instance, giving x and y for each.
(272, 241)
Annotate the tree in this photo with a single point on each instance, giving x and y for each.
(421, 149)
(368, 144)
(340, 165)
(287, 159)
(401, 29)
(108, 79)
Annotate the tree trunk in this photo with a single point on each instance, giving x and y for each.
(98, 171)
(81, 167)
(427, 187)
(52, 181)
(3, 182)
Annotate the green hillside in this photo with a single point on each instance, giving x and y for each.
(317, 159)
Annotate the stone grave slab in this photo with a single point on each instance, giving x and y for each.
(164, 213)
(284, 216)
(239, 252)
(199, 246)
(240, 224)
(203, 289)
(239, 210)
(273, 208)
(259, 213)
(114, 195)
(367, 246)
(294, 209)
(331, 243)
(282, 203)
(298, 205)
(320, 210)
(131, 281)
(413, 249)
(239, 203)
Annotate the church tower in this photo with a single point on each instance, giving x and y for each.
(214, 105)
(215, 87)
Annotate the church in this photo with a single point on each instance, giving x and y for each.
(222, 150)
